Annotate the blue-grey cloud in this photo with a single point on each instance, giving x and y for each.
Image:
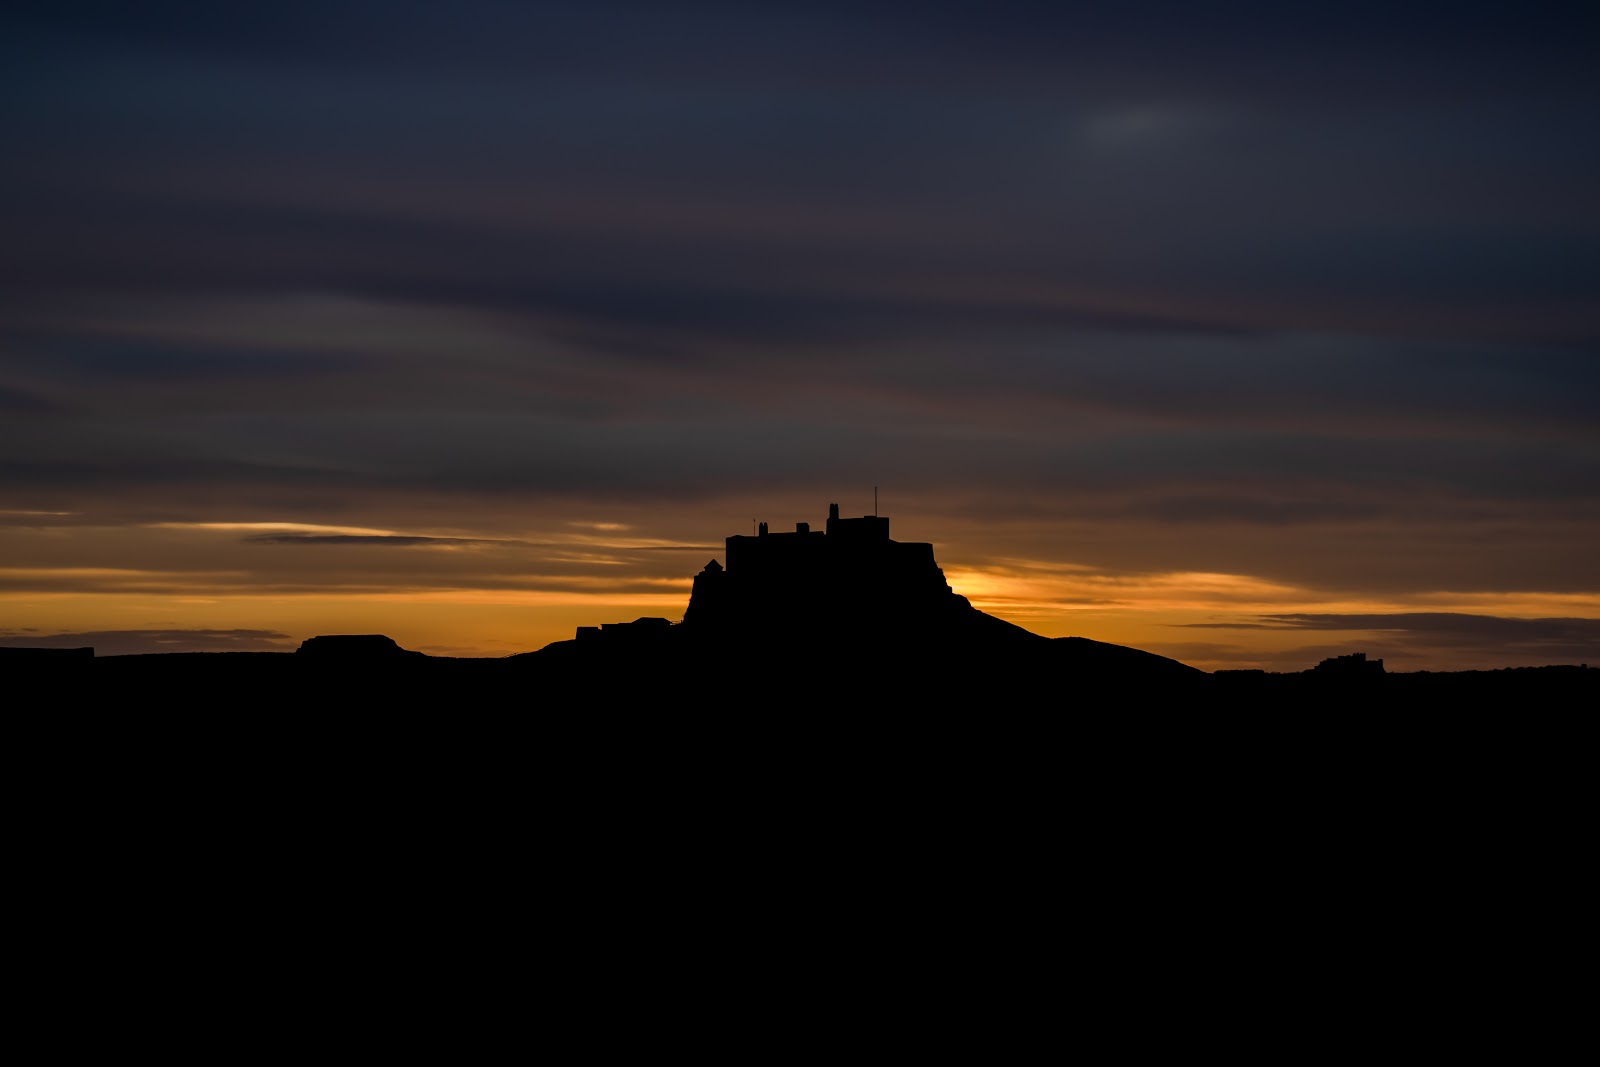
(298, 164)
(19, 402)
(121, 363)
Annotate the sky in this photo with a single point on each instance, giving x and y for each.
(1244, 334)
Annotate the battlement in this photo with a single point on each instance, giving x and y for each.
(841, 542)
(806, 573)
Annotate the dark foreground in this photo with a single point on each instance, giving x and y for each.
(1069, 675)
(615, 815)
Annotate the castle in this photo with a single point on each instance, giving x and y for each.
(844, 602)
(1354, 665)
(848, 581)
(810, 577)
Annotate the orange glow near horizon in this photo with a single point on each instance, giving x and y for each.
(285, 527)
(1187, 615)
(1063, 593)
(520, 590)
(1149, 611)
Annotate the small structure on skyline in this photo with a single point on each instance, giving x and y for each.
(1356, 664)
(638, 629)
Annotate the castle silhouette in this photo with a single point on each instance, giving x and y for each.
(849, 580)
(849, 574)
(843, 617)
(847, 603)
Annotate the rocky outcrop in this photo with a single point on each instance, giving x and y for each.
(353, 647)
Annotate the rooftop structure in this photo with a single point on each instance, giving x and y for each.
(1356, 663)
(810, 576)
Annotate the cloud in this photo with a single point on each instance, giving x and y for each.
(394, 540)
(1252, 49)
(144, 642)
(774, 177)
(291, 527)
(18, 402)
(1437, 623)
(610, 541)
(1492, 639)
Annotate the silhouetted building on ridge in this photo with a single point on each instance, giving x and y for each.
(1356, 664)
(846, 574)
(638, 629)
(843, 542)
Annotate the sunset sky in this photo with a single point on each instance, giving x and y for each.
(1245, 334)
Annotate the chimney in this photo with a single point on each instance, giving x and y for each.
(762, 530)
(833, 511)
(802, 527)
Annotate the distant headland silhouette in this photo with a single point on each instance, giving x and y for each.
(842, 616)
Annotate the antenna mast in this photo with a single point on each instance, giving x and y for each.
(874, 500)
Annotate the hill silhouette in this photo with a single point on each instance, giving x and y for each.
(851, 606)
(842, 618)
